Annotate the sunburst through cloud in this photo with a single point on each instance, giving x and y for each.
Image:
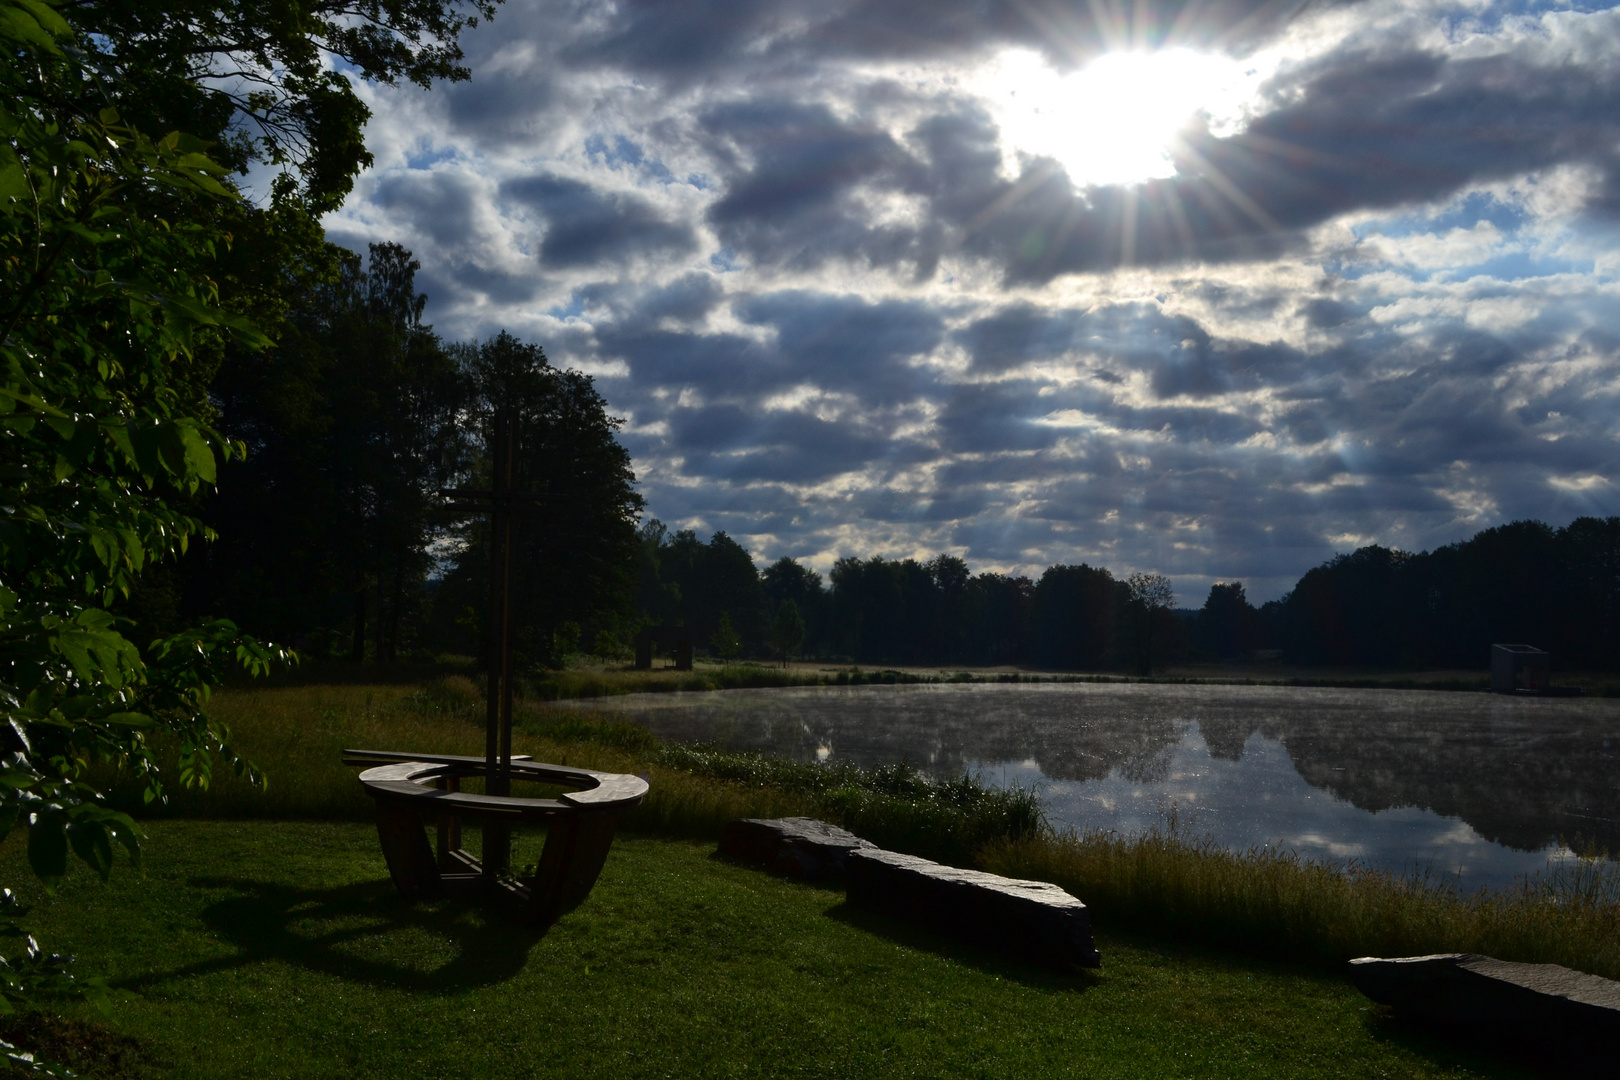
(1118, 119)
(1291, 275)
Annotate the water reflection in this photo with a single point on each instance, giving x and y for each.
(1483, 787)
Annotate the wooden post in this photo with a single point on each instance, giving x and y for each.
(498, 737)
(502, 502)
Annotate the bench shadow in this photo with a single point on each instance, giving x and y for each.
(1075, 981)
(341, 932)
(820, 884)
(1485, 1052)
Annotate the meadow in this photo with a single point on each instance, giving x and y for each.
(262, 936)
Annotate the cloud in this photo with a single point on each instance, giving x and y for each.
(585, 226)
(843, 314)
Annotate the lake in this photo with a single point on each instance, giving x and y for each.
(1478, 787)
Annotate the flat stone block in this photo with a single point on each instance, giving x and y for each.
(1552, 1005)
(797, 847)
(1032, 920)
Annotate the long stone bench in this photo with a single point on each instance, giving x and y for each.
(1550, 1005)
(412, 790)
(1032, 920)
(798, 847)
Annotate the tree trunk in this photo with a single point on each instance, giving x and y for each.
(394, 613)
(358, 651)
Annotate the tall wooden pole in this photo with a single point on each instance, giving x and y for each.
(498, 737)
(503, 502)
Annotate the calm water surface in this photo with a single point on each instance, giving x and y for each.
(1482, 788)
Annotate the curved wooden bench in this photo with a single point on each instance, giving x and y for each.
(410, 789)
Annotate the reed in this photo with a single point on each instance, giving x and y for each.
(1276, 903)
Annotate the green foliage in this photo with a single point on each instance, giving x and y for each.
(267, 82)
(787, 631)
(896, 806)
(687, 582)
(724, 641)
(104, 303)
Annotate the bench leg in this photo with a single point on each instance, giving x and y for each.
(575, 852)
(449, 830)
(405, 846)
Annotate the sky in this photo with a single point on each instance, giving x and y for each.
(1212, 289)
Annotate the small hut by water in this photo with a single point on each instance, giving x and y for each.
(1519, 669)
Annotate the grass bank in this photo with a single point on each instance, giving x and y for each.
(1170, 885)
(278, 949)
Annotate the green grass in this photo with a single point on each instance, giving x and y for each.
(278, 949)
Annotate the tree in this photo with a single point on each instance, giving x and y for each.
(1228, 625)
(1147, 600)
(724, 641)
(786, 579)
(575, 557)
(787, 631)
(1074, 610)
(267, 83)
(353, 422)
(711, 580)
(102, 310)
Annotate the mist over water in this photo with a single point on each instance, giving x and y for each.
(1475, 787)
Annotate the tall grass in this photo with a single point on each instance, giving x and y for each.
(297, 734)
(590, 682)
(1276, 903)
(895, 806)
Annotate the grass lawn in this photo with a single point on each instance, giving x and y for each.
(277, 949)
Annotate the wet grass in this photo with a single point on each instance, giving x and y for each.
(278, 949)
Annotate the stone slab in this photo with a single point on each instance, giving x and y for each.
(1544, 1002)
(797, 847)
(1033, 921)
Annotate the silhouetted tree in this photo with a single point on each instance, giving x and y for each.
(1074, 609)
(1228, 625)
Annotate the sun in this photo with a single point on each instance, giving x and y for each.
(1115, 120)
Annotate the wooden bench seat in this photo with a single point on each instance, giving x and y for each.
(413, 789)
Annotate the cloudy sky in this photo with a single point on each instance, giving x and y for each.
(1210, 288)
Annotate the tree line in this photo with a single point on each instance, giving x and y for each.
(1525, 582)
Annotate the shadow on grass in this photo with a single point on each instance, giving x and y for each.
(1504, 1055)
(1075, 981)
(819, 884)
(359, 933)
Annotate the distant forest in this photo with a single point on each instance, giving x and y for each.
(1557, 589)
(332, 536)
